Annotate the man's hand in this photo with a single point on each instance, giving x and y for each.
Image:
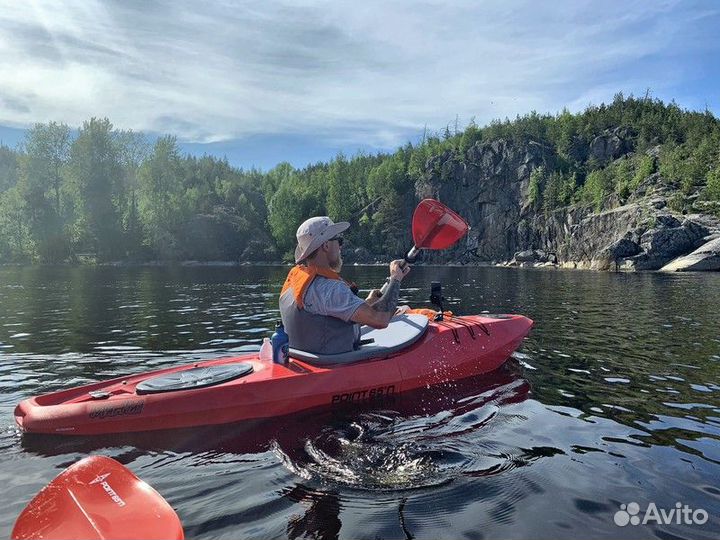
(399, 269)
(374, 296)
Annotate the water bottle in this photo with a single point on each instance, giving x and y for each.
(280, 344)
(266, 351)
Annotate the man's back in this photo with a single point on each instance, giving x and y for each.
(323, 325)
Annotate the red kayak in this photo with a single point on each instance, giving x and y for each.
(410, 353)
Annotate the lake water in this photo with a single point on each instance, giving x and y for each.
(614, 398)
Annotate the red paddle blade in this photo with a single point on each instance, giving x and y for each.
(97, 498)
(435, 226)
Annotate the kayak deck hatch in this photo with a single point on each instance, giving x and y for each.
(189, 379)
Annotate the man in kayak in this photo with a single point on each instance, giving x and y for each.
(320, 312)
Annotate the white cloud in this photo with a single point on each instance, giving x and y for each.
(370, 72)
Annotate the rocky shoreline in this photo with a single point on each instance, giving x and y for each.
(630, 238)
(490, 187)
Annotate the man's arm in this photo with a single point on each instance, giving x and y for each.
(379, 313)
(367, 315)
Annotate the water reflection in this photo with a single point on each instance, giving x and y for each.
(321, 516)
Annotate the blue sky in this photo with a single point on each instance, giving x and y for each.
(300, 81)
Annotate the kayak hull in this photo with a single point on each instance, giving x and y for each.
(454, 349)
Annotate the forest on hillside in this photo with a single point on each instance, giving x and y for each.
(99, 194)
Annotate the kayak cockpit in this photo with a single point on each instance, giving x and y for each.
(401, 332)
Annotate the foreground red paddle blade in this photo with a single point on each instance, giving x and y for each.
(435, 226)
(98, 498)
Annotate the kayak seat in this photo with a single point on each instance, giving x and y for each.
(401, 332)
(189, 379)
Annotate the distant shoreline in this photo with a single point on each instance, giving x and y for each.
(201, 264)
(226, 264)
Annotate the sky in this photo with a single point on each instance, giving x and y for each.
(266, 82)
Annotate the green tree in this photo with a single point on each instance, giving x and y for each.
(227, 213)
(387, 185)
(96, 177)
(274, 178)
(688, 164)
(598, 184)
(551, 192)
(470, 136)
(702, 159)
(623, 174)
(568, 189)
(161, 200)
(340, 198)
(563, 131)
(673, 164)
(712, 189)
(111, 198)
(8, 168)
(40, 185)
(16, 239)
(48, 150)
(294, 202)
(645, 168)
(132, 149)
(537, 179)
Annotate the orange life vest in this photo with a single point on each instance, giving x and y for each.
(300, 278)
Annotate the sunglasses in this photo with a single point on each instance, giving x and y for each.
(339, 240)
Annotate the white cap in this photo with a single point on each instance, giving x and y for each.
(313, 232)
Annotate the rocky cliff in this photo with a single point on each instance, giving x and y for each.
(489, 185)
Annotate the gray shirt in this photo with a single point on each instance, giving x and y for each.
(331, 297)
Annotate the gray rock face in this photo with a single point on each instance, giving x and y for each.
(706, 257)
(611, 145)
(489, 186)
(491, 193)
(667, 240)
(533, 257)
(525, 256)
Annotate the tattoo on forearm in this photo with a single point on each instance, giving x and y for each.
(389, 300)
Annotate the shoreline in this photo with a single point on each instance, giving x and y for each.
(232, 264)
(274, 264)
(566, 266)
